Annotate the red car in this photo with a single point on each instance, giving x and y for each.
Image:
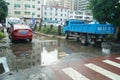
(20, 31)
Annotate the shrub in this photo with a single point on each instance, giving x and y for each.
(109, 37)
(2, 35)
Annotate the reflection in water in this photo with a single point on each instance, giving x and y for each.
(21, 49)
(48, 57)
(20, 56)
(76, 47)
(24, 56)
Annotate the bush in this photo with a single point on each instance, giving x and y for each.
(2, 35)
(109, 37)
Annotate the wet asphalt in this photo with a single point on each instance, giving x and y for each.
(31, 61)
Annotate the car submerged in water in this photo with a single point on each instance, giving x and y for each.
(19, 31)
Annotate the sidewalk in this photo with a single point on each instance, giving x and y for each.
(115, 44)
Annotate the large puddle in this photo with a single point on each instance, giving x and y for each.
(42, 51)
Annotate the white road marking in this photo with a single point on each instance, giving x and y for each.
(112, 63)
(74, 74)
(118, 58)
(103, 71)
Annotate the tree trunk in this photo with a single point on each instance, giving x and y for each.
(117, 34)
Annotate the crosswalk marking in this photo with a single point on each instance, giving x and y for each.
(74, 74)
(102, 71)
(118, 58)
(112, 63)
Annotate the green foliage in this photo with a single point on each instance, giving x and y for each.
(109, 37)
(49, 30)
(2, 35)
(3, 10)
(106, 11)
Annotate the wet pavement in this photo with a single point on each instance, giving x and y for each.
(32, 61)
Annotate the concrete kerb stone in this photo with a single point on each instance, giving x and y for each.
(50, 35)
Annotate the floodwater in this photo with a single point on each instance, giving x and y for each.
(24, 58)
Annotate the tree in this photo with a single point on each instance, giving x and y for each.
(3, 10)
(106, 11)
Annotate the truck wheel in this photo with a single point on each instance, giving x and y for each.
(83, 39)
(77, 39)
(66, 35)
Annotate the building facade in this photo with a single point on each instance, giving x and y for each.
(60, 11)
(54, 14)
(25, 9)
(81, 15)
(81, 5)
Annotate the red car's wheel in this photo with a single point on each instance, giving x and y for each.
(30, 40)
(12, 40)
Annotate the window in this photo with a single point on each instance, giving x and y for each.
(33, 6)
(65, 15)
(38, 15)
(87, 18)
(45, 13)
(17, 12)
(33, 13)
(51, 9)
(38, 9)
(45, 18)
(56, 14)
(66, 23)
(50, 18)
(45, 8)
(27, 5)
(77, 22)
(27, 13)
(56, 9)
(16, 6)
(71, 17)
(38, 2)
(56, 19)
(61, 10)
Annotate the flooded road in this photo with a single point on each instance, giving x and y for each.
(26, 59)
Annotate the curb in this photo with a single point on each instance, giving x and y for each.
(50, 35)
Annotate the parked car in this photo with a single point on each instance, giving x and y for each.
(20, 31)
(1, 27)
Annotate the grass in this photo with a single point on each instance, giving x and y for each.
(49, 30)
(2, 35)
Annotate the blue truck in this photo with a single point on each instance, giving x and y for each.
(87, 33)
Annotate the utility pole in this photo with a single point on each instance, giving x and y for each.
(41, 19)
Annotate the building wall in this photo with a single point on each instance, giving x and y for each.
(28, 9)
(24, 9)
(81, 4)
(55, 13)
(80, 15)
